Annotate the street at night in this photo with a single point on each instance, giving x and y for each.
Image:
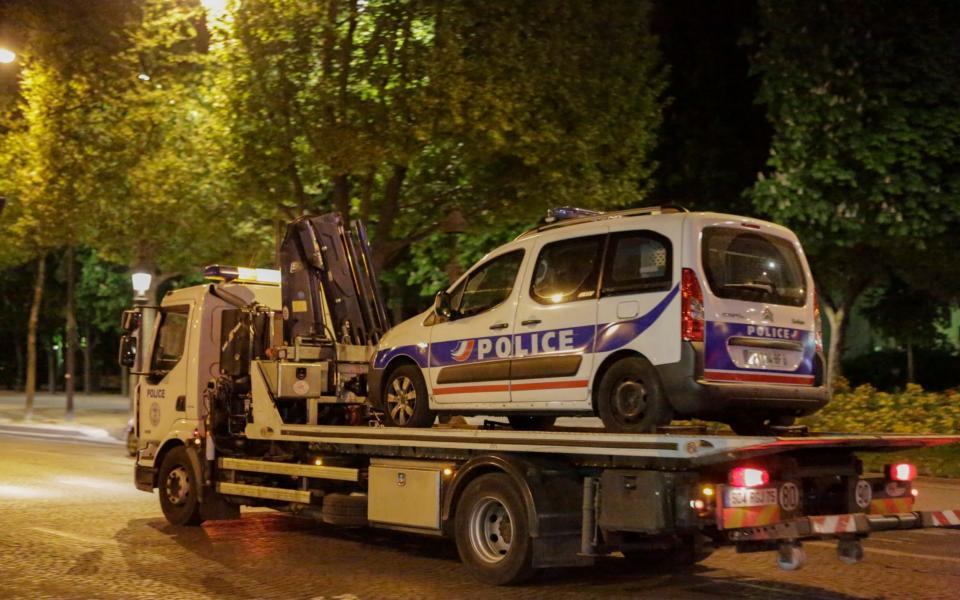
(73, 525)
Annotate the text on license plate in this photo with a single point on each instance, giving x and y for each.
(739, 497)
(764, 359)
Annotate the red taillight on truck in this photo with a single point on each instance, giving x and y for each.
(818, 321)
(748, 477)
(691, 298)
(900, 472)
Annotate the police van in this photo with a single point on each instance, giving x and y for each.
(638, 316)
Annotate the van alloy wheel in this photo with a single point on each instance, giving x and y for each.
(401, 400)
(630, 400)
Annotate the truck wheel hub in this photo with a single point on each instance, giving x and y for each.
(491, 530)
(177, 486)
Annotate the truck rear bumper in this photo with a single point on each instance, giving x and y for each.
(826, 526)
(692, 396)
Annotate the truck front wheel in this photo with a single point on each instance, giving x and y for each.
(492, 533)
(405, 399)
(177, 485)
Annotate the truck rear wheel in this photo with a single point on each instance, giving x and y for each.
(630, 398)
(405, 397)
(492, 533)
(177, 485)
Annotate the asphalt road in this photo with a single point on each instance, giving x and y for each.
(73, 526)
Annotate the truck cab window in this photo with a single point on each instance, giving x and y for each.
(171, 338)
(488, 285)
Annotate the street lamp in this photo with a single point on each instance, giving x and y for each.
(141, 279)
(7, 56)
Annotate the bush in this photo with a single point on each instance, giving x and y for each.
(887, 369)
(865, 409)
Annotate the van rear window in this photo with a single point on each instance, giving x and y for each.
(751, 266)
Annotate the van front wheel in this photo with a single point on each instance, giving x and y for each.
(405, 399)
(630, 398)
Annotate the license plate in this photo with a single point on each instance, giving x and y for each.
(765, 359)
(742, 497)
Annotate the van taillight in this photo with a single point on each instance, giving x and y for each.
(818, 321)
(691, 307)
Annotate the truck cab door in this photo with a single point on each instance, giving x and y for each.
(556, 322)
(470, 352)
(161, 392)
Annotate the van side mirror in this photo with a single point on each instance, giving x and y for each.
(441, 305)
(128, 351)
(130, 320)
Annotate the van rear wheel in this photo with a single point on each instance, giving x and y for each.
(630, 398)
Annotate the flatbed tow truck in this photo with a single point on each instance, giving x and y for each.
(233, 411)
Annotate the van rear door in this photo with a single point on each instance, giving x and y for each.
(758, 305)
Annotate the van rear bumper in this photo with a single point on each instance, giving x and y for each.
(692, 396)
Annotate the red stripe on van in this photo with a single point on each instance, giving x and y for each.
(520, 387)
(756, 377)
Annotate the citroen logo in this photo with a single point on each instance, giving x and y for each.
(767, 314)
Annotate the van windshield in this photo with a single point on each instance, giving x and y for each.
(751, 266)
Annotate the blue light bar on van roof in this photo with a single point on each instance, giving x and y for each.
(241, 274)
(562, 213)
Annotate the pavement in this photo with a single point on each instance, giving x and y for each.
(98, 418)
(72, 525)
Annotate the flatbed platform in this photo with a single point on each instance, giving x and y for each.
(669, 450)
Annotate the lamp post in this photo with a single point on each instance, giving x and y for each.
(141, 279)
(7, 56)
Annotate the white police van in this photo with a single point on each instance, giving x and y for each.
(638, 316)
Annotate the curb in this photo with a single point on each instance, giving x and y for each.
(77, 432)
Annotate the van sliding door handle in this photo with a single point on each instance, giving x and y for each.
(530, 322)
(500, 326)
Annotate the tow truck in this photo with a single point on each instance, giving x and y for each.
(253, 392)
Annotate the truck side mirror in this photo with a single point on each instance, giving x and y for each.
(130, 321)
(441, 305)
(128, 351)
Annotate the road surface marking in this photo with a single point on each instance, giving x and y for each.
(893, 552)
(72, 536)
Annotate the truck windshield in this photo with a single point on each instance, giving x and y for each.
(170, 338)
(752, 266)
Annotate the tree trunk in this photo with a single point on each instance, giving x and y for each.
(910, 363)
(88, 360)
(71, 337)
(341, 195)
(18, 382)
(51, 369)
(32, 323)
(837, 320)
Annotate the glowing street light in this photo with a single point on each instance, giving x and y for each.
(7, 56)
(141, 282)
(215, 8)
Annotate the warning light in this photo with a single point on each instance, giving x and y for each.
(707, 490)
(447, 472)
(915, 492)
(748, 477)
(698, 504)
(901, 472)
(318, 462)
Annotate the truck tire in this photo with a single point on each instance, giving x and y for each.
(530, 422)
(177, 485)
(345, 509)
(492, 531)
(630, 398)
(405, 399)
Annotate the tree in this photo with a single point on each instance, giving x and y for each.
(865, 160)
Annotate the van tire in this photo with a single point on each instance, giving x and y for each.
(630, 398)
(405, 399)
(177, 485)
(531, 422)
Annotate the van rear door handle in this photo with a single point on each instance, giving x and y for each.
(500, 326)
(530, 322)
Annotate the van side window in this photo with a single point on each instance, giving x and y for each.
(171, 338)
(637, 261)
(488, 285)
(567, 270)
